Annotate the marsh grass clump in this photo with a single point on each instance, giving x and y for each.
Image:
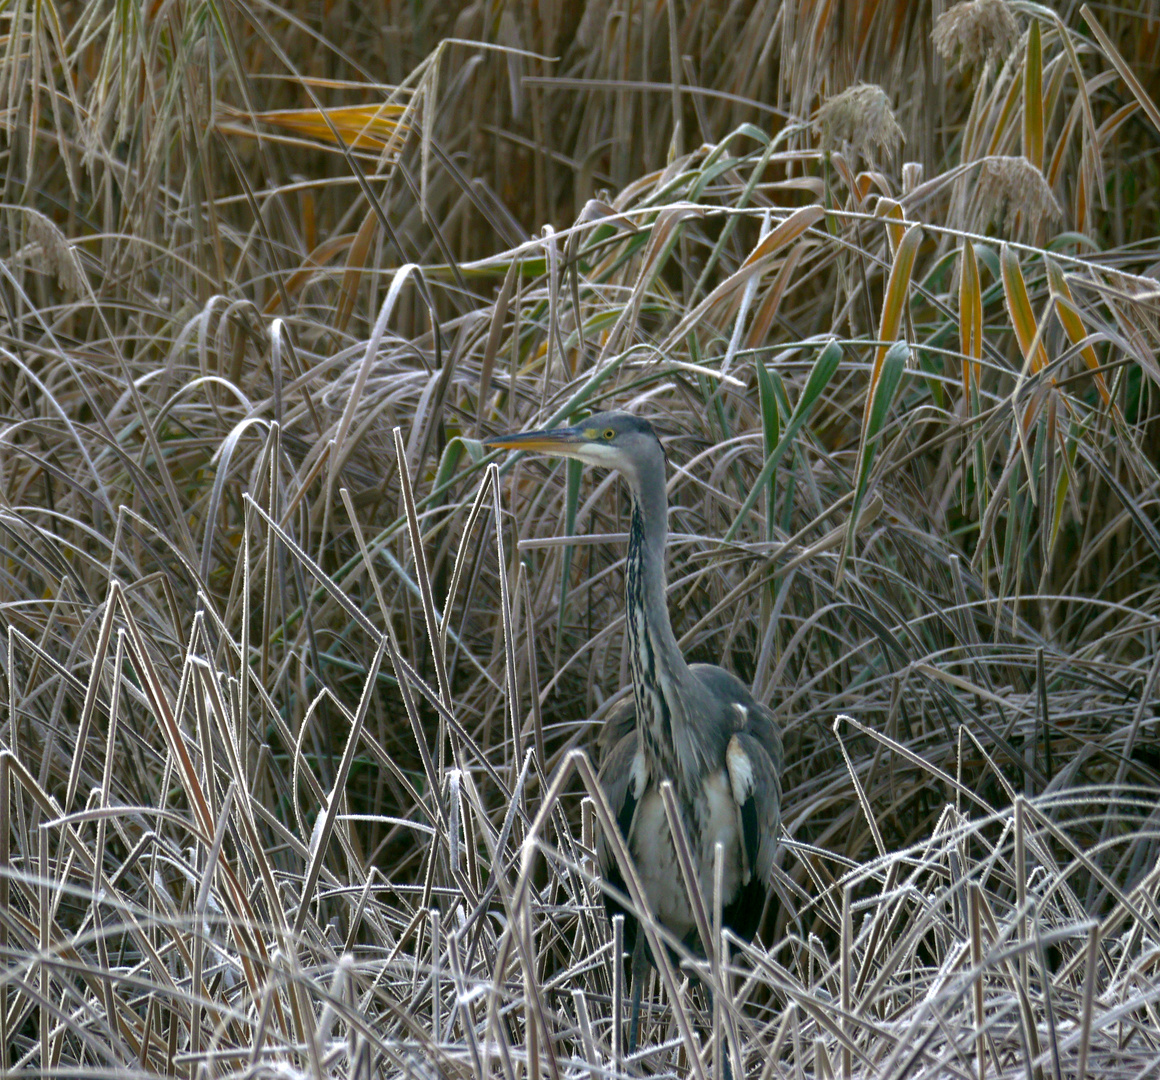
(297, 676)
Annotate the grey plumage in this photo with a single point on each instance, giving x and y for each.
(693, 724)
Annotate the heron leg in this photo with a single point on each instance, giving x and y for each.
(639, 972)
(721, 1040)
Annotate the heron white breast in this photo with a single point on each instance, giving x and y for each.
(721, 826)
(740, 771)
(715, 821)
(656, 863)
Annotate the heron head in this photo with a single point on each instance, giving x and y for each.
(610, 440)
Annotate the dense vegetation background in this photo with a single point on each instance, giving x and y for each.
(292, 672)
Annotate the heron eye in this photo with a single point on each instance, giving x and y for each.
(609, 433)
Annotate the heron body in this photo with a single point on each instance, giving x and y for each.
(732, 798)
(695, 725)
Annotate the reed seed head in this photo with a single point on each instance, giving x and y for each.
(1009, 186)
(859, 118)
(976, 32)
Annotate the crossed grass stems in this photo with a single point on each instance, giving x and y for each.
(224, 847)
(974, 944)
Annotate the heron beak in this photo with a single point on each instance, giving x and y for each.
(562, 442)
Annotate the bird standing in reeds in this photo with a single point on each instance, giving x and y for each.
(695, 725)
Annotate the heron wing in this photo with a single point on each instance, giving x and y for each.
(616, 780)
(754, 759)
(621, 719)
(756, 784)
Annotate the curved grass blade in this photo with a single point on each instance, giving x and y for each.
(1069, 318)
(879, 401)
(820, 375)
(971, 348)
(757, 262)
(970, 318)
(1033, 98)
(878, 396)
(770, 431)
(1030, 337)
(1112, 53)
(571, 503)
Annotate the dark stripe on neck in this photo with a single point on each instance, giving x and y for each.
(654, 717)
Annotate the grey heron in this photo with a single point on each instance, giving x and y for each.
(695, 725)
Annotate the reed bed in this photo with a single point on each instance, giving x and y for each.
(300, 685)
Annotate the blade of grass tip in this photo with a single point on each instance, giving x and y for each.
(552, 256)
(571, 505)
(1001, 115)
(518, 594)
(499, 314)
(894, 304)
(533, 681)
(463, 550)
(862, 799)
(1030, 337)
(970, 318)
(320, 839)
(1089, 995)
(352, 274)
(1069, 317)
(111, 744)
(756, 262)
(770, 433)
(159, 705)
(819, 378)
(881, 399)
(662, 239)
(1033, 98)
(971, 350)
(1130, 505)
(1121, 65)
(766, 311)
(434, 428)
(425, 98)
(742, 314)
(1065, 489)
(352, 517)
(572, 271)
(338, 449)
(449, 463)
(422, 575)
(505, 607)
(1049, 465)
(96, 669)
(1088, 155)
(890, 211)
(742, 201)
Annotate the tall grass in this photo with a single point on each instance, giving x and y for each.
(297, 679)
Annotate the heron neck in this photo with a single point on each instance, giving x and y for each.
(658, 668)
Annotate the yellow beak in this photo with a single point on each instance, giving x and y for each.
(561, 441)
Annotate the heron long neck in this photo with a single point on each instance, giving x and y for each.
(658, 669)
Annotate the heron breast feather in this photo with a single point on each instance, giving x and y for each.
(656, 863)
(720, 825)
